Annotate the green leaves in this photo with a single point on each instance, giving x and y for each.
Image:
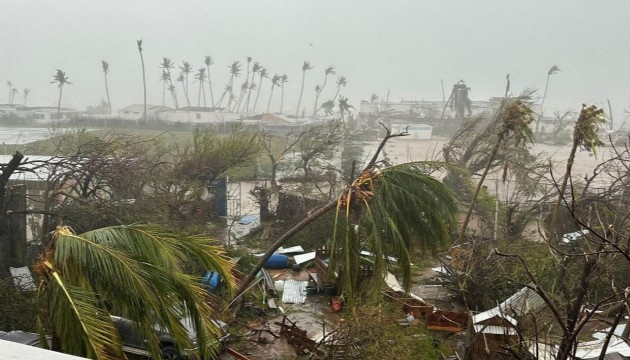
(389, 213)
(138, 272)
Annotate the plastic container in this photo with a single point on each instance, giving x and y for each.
(277, 261)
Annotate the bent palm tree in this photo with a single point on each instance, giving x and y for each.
(186, 69)
(283, 79)
(25, 93)
(235, 71)
(10, 85)
(60, 79)
(165, 79)
(553, 70)
(263, 74)
(136, 271)
(144, 80)
(329, 71)
(341, 82)
(584, 135)
(251, 86)
(306, 66)
(208, 61)
(201, 77)
(166, 66)
(105, 65)
(275, 80)
(386, 210)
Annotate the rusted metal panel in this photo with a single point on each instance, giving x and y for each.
(294, 292)
(236, 354)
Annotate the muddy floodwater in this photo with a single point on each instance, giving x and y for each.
(17, 135)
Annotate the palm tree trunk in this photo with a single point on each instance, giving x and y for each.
(257, 93)
(203, 90)
(144, 85)
(249, 93)
(283, 239)
(199, 94)
(282, 98)
(186, 91)
(317, 95)
(563, 188)
(210, 87)
(297, 110)
(163, 92)
(109, 103)
(269, 102)
(495, 150)
(542, 103)
(59, 103)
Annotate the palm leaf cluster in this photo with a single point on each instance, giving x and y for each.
(587, 127)
(138, 272)
(389, 212)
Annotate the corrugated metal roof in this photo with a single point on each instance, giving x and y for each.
(294, 292)
(523, 302)
(494, 329)
(22, 278)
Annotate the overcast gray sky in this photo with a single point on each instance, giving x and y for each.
(405, 46)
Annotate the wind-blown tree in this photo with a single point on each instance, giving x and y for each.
(182, 80)
(235, 71)
(275, 81)
(186, 69)
(137, 272)
(237, 105)
(394, 209)
(262, 75)
(255, 70)
(201, 77)
(164, 78)
(329, 71)
(344, 107)
(144, 80)
(166, 66)
(61, 80)
(584, 135)
(15, 92)
(553, 70)
(514, 118)
(10, 85)
(105, 66)
(306, 66)
(208, 61)
(341, 82)
(283, 79)
(25, 94)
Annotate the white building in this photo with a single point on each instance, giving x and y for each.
(416, 131)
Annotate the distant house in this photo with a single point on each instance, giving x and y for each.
(42, 115)
(199, 115)
(136, 112)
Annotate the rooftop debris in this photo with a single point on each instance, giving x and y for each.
(294, 292)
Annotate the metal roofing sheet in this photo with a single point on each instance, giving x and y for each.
(494, 329)
(294, 292)
(22, 278)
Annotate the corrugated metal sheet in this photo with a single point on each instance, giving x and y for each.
(22, 278)
(496, 330)
(523, 302)
(294, 292)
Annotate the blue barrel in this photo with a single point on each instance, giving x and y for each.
(277, 261)
(212, 280)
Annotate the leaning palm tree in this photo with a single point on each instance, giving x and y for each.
(15, 92)
(306, 66)
(341, 82)
(275, 81)
(255, 70)
(10, 85)
(386, 210)
(201, 77)
(329, 71)
(144, 80)
(186, 69)
(61, 80)
(166, 66)
(164, 78)
(181, 79)
(514, 120)
(553, 70)
(137, 272)
(283, 79)
(585, 134)
(237, 104)
(235, 71)
(262, 75)
(25, 93)
(208, 61)
(105, 65)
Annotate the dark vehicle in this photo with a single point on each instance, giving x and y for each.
(134, 342)
(23, 337)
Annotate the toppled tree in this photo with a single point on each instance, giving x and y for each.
(395, 209)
